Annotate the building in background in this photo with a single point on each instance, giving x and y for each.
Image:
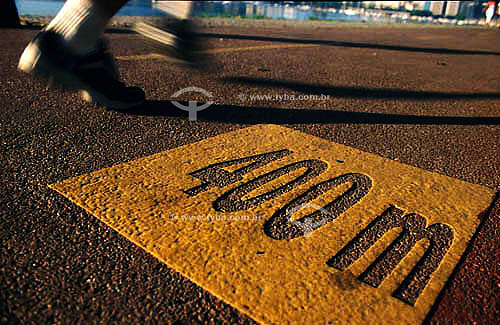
(394, 5)
(337, 10)
(452, 8)
(437, 7)
(421, 5)
(251, 9)
(467, 9)
(260, 11)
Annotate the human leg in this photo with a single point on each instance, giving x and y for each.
(174, 35)
(70, 52)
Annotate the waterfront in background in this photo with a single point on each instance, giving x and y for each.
(263, 10)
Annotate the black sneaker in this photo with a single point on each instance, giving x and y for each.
(175, 39)
(94, 75)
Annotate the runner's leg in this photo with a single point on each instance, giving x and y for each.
(70, 52)
(173, 35)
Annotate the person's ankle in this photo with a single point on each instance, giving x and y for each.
(80, 24)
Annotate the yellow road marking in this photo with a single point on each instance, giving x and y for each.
(149, 56)
(208, 223)
(256, 48)
(156, 56)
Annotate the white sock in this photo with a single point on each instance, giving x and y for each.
(81, 24)
(178, 9)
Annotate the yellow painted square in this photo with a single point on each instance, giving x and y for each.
(289, 280)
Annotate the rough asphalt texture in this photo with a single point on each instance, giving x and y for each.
(427, 97)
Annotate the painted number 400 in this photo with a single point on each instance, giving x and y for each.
(281, 226)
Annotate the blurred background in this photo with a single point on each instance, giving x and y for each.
(420, 12)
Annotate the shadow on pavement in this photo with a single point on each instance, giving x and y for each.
(123, 30)
(273, 115)
(358, 92)
(348, 44)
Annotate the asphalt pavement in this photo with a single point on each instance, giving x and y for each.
(428, 97)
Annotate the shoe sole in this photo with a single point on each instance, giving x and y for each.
(34, 62)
